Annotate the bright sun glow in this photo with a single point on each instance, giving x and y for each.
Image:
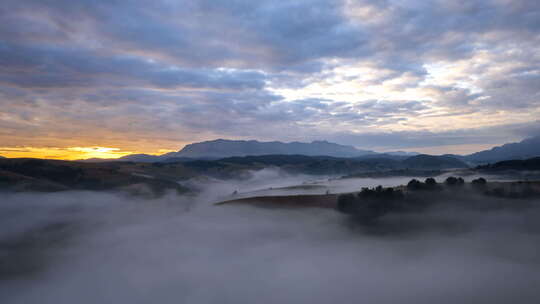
(71, 153)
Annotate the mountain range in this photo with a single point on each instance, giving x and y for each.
(222, 148)
(155, 175)
(527, 148)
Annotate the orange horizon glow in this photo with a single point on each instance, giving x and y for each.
(69, 153)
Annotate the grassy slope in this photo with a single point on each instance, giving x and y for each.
(55, 175)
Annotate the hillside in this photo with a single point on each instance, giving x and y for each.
(527, 148)
(325, 165)
(518, 165)
(55, 175)
(23, 174)
(424, 161)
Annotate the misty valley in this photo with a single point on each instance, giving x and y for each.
(270, 229)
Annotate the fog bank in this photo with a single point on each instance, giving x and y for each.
(87, 247)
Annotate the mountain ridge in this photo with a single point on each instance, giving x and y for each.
(223, 148)
(527, 148)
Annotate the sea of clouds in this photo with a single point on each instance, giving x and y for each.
(90, 247)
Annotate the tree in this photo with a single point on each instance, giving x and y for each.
(414, 184)
(431, 182)
(451, 181)
(479, 183)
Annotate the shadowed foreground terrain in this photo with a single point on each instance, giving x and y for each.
(37, 175)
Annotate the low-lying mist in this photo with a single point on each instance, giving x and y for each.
(90, 247)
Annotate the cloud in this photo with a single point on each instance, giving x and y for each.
(192, 70)
(37, 67)
(476, 138)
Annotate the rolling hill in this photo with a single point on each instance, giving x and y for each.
(424, 161)
(531, 164)
(20, 174)
(27, 174)
(527, 148)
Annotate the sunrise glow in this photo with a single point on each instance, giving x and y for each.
(70, 153)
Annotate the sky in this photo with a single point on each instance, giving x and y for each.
(106, 78)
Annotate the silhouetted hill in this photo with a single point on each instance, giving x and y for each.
(145, 158)
(324, 165)
(382, 156)
(518, 164)
(27, 174)
(527, 148)
(401, 153)
(55, 175)
(276, 160)
(424, 161)
(141, 158)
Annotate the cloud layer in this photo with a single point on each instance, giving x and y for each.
(144, 76)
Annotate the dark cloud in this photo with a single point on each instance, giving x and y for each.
(200, 33)
(188, 70)
(59, 67)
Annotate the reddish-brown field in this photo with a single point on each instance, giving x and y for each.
(288, 201)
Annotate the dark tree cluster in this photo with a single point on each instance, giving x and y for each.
(454, 181)
(370, 204)
(479, 183)
(428, 184)
(380, 193)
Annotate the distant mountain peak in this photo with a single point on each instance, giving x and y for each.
(527, 148)
(221, 148)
